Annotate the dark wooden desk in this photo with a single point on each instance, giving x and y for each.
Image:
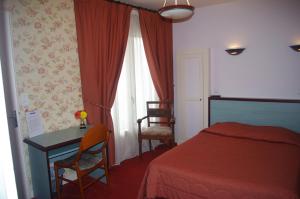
(44, 150)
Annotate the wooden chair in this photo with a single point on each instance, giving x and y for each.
(160, 129)
(89, 158)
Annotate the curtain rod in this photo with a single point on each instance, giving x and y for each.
(127, 4)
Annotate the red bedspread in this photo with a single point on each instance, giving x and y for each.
(228, 161)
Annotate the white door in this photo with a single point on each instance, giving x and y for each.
(191, 89)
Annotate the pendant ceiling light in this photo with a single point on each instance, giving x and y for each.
(176, 11)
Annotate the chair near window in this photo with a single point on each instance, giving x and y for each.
(91, 156)
(160, 124)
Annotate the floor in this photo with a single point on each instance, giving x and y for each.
(125, 180)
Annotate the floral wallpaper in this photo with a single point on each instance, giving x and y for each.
(46, 62)
(46, 59)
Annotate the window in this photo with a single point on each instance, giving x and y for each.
(135, 87)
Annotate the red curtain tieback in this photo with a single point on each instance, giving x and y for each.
(100, 106)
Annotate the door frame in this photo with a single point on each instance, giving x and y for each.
(9, 84)
(204, 54)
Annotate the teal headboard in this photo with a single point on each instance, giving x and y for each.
(268, 112)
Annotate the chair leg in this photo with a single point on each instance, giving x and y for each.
(140, 147)
(106, 175)
(80, 185)
(173, 142)
(150, 145)
(57, 180)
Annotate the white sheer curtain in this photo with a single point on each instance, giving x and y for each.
(135, 87)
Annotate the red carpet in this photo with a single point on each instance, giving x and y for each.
(125, 180)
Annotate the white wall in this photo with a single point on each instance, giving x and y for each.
(268, 68)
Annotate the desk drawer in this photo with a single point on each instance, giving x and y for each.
(62, 151)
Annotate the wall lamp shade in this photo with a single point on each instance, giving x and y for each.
(295, 48)
(176, 12)
(235, 51)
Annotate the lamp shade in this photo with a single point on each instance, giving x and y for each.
(176, 12)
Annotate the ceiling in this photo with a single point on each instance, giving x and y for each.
(156, 4)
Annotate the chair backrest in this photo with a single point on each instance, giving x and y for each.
(95, 135)
(159, 109)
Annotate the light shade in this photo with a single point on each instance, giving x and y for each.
(296, 48)
(235, 51)
(176, 12)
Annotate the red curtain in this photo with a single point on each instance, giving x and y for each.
(102, 32)
(158, 43)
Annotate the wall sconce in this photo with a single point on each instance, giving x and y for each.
(235, 51)
(295, 48)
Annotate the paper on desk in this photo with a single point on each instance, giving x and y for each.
(34, 123)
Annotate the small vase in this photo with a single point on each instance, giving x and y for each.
(82, 124)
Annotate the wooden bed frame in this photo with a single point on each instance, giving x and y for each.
(268, 112)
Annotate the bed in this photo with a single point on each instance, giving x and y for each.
(237, 157)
